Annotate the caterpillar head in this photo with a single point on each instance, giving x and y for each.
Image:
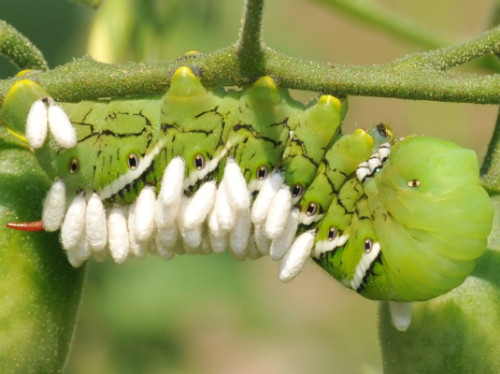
(424, 216)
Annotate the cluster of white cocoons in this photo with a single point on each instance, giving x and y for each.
(45, 115)
(215, 218)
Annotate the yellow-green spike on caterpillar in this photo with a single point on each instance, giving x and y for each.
(340, 161)
(306, 145)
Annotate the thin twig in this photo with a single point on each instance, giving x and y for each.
(487, 43)
(490, 175)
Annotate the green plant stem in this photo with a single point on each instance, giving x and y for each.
(487, 43)
(249, 46)
(385, 19)
(489, 170)
(87, 79)
(405, 28)
(19, 50)
(420, 76)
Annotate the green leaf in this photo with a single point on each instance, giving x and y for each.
(39, 291)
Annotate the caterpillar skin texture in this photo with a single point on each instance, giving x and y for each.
(255, 172)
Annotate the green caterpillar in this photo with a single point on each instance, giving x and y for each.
(256, 172)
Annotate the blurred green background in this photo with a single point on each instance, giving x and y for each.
(213, 314)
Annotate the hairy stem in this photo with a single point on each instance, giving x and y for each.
(249, 48)
(19, 50)
(420, 76)
(489, 170)
(87, 79)
(488, 43)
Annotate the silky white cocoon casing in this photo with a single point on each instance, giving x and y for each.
(281, 244)
(235, 186)
(400, 314)
(167, 237)
(73, 226)
(171, 191)
(60, 126)
(217, 236)
(296, 257)
(262, 202)
(95, 224)
(278, 214)
(36, 124)
(261, 240)
(192, 239)
(138, 249)
(225, 213)
(118, 241)
(164, 250)
(219, 241)
(238, 237)
(144, 221)
(198, 206)
(79, 253)
(54, 206)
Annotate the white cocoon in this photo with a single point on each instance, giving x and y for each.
(278, 214)
(270, 188)
(95, 221)
(238, 237)
(282, 243)
(54, 206)
(225, 213)
(199, 205)
(294, 260)
(79, 254)
(36, 124)
(400, 314)
(119, 244)
(139, 250)
(170, 194)
(73, 226)
(60, 126)
(144, 221)
(236, 189)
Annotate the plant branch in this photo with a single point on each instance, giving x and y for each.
(249, 46)
(87, 79)
(487, 43)
(490, 175)
(420, 76)
(405, 28)
(19, 50)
